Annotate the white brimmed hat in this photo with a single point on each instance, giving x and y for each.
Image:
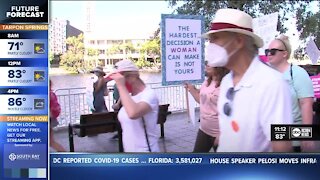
(233, 20)
(126, 65)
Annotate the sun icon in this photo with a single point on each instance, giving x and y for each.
(37, 48)
(37, 76)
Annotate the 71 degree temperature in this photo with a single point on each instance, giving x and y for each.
(15, 44)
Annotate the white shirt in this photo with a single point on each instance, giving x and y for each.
(261, 98)
(133, 133)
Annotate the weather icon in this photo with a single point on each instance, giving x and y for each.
(39, 48)
(38, 103)
(39, 76)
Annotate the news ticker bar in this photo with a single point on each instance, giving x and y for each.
(281, 132)
(92, 160)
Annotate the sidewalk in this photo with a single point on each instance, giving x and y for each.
(179, 135)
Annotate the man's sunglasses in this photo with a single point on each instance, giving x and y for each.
(272, 51)
(227, 106)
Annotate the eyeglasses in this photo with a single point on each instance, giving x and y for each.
(206, 63)
(227, 106)
(272, 51)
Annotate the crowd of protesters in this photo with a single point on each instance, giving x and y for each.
(240, 98)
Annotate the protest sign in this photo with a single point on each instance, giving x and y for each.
(312, 51)
(316, 85)
(266, 27)
(182, 49)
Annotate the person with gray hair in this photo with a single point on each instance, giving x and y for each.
(252, 96)
(301, 88)
(139, 111)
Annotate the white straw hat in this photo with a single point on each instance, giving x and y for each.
(233, 20)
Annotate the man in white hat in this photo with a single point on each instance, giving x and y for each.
(252, 96)
(99, 91)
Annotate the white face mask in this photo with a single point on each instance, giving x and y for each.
(94, 78)
(217, 56)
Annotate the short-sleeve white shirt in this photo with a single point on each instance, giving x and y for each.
(133, 134)
(261, 98)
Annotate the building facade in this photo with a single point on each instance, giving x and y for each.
(111, 49)
(59, 31)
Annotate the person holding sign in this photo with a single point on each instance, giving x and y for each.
(139, 111)
(253, 95)
(301, 88)
(207, 97)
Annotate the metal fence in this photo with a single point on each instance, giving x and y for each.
(74, 101)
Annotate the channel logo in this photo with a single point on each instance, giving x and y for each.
(12, 157)
(301, 132)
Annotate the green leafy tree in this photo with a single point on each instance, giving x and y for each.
(127, 48)
(307, 22)
(91, 59)
(151, 48)
(51, 57)
(72, 60)
(114, 49)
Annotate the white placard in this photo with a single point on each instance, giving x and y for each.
(266, 27)
(182, 49)
(313, 51)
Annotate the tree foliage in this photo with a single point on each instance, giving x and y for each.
(73, 59)
(308, 23)
(51, 57)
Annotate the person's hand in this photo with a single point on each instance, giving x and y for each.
(118, 78)
(115, 107)
(188, 86)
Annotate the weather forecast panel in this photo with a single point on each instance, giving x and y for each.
(23, 48)
(23, 76)
(24, 89)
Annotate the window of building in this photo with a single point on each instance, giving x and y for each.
(101, 42)
(102, 51)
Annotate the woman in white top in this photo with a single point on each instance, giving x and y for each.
(139, 112)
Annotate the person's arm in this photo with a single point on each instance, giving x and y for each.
(281, 146)
(193, 91)
(304, 89)
(306, 110)
(133, 109)
(306, 105)
(116, 106)
(101, 82)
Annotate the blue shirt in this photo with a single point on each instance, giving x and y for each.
(300, 87)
